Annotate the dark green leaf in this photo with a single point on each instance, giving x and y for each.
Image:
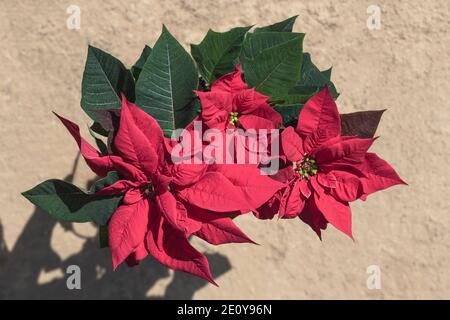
(99, 142)
(298, 97)
(137, 68)
(197, 107)
(110, 125)
(66, 202)
(111, 178)
(327, 74)
(104, 78)
(289, 113)
(272, 61)
(217, 53)
(98, 128)
(312, 81)
(103, 239)
(165, 86)
(282, 26)
(362, 124)
(255, 44)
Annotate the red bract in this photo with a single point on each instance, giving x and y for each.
(231, 104)
(163, 203)
(326, 171)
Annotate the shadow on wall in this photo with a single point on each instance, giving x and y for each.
(32, 255)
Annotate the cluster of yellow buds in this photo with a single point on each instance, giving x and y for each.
(234, 121)
(307, 168)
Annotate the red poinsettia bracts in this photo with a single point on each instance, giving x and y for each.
(231, 104)
(163, 203)
(160, 192)
(326, 171)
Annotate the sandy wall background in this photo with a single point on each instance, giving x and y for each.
(404, 67)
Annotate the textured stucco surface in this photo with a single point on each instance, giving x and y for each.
(404, 67)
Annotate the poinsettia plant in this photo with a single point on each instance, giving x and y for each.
(258, 82)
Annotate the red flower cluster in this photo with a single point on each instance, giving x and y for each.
(165, 203)
(231, 104)
(325, 171)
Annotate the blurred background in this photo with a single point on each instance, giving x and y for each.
(402, 233)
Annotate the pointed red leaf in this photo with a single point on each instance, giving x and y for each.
(348, 187)
(291, 145)
(127, 229)
(293, 204)
(285, 175)
(329, 143)
(173, 250)
(305, 189)
(251, 121)
(327, 179)
(148, 125)
(132, 144)
(216, 108)
(216, 193)
(248, 101)
(249, 182)
(175, 213)
(269, 209)
(217, 229)
(132, 196)
(346, 151)
(231, 83)
(100, 165)
(117, 187)
(314, 218)
(187, 174)
(379, 174)
(221, 231)
(127, 170)
(267, 112)
(335, 212)
(319, 119)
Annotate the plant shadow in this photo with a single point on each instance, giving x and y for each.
(32, 255)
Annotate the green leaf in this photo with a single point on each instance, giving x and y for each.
(66, 202)
(103, 236)
(98, 128)
(104, 78)
(165, 86)
(282, 26)
(111, 178)
(298, 97)
(312, 81)
(272, 61)
(217, 53)
(137, 68)
(99, 142)
(327, 73)
(197, 107)
(289, 113)
(255, 44)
